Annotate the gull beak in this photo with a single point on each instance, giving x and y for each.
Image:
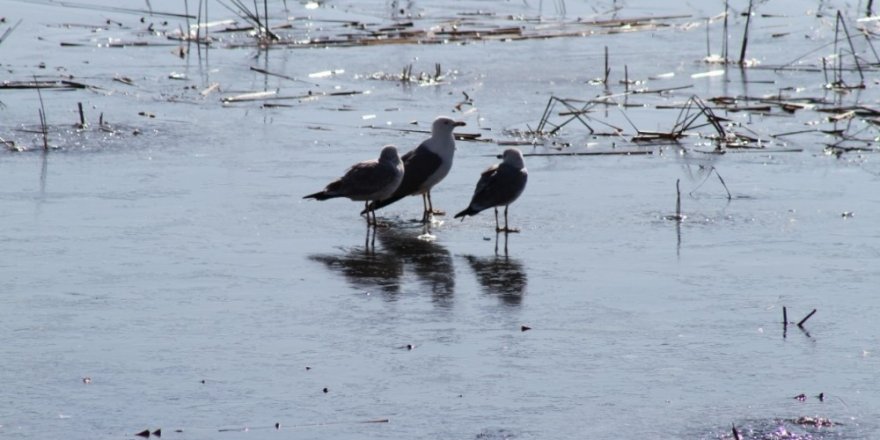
(459, 124)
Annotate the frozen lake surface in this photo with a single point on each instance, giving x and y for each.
(167, 258)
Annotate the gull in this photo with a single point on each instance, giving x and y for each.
(425, 167)
(367, 181)
(500, 185)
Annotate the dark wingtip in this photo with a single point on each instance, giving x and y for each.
(321, 195)
(376, 204)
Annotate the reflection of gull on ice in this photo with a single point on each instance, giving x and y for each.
(383, 268)
(430, 262)
(503, 276)
(366, 270)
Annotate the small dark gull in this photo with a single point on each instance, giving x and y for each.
(367, 181)
(500, 185)
(425, 167)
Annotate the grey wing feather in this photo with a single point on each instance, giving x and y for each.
(366, 178)
(418, 164)
(485, 179)
(499, 185)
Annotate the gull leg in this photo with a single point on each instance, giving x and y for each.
(497, 228)
(426, 212)
(431, 206)
(367, 213)
(507, 228)
(375, 220)
(370, 241)
(367, 238)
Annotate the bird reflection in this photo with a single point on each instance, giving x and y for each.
(366, 269)
(430, 262)
(401, 250)
(502, 276)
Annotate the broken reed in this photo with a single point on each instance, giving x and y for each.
(678, 217)
(607, 70)
(724, 35)
(800, 323)
(261, 25)
(687, 120)
(678, 200)
(9, 31)
(725, 40)
(82, 117)
(745, 42)
(44, 129)
(406, 76)
(840, 23)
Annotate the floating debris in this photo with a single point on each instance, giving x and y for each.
(327, 73)
(813, 421)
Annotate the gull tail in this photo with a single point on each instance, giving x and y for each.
(334, 189)
(321, 195)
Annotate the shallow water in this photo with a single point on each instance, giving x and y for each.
(181, 272)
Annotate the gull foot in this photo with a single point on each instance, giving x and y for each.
(507, 230)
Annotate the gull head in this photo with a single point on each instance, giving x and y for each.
(389, 155)
(443, 126)
(514, 158)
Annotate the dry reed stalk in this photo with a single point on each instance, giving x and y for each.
(82, 117)
(678, 217)
(279, 75)
(720, 179)
(590, 153)
(44, 129)
(724, 37)
(607, 69)
(305, 425)
(677, 199)
(802, 321)
(9, 31)
(840, 22)
(149, 11)
(745, 42)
